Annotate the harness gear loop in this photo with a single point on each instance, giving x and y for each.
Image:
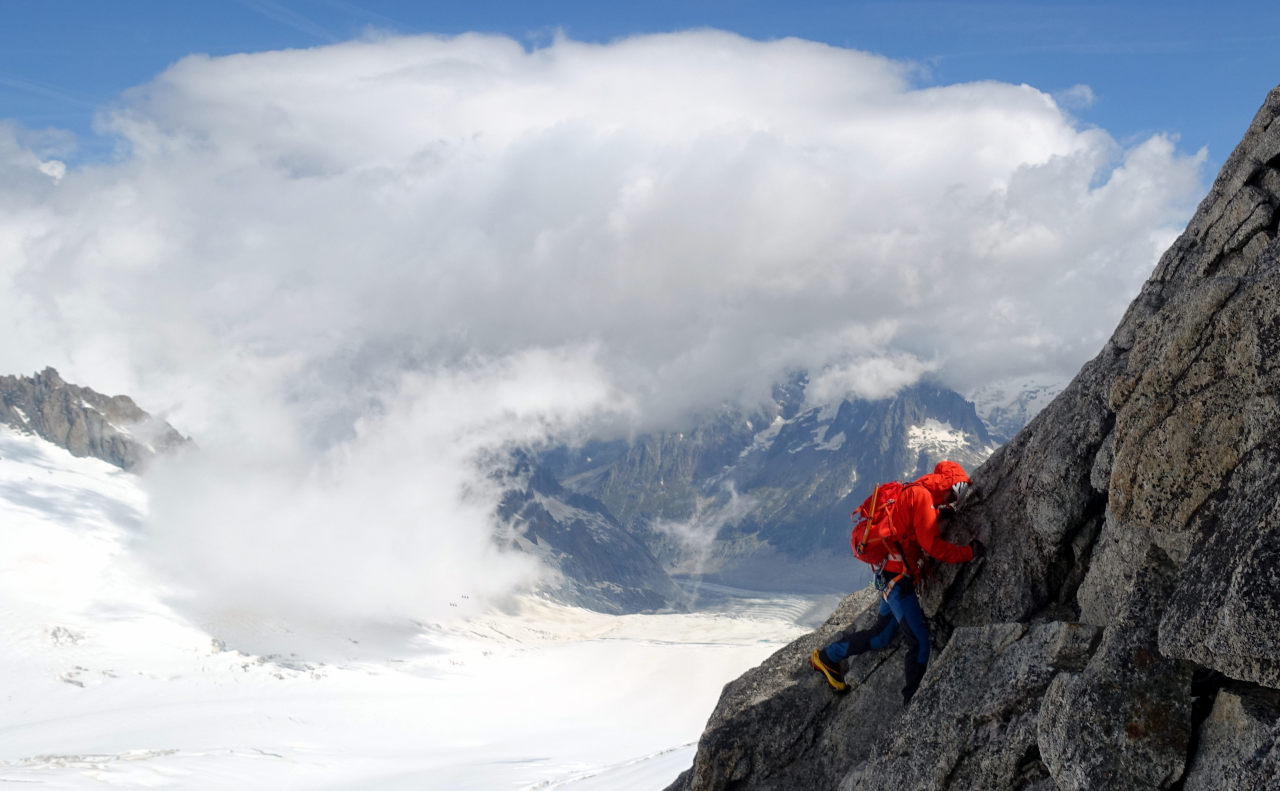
(889, 588)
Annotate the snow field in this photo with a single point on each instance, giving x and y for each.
(104, 684)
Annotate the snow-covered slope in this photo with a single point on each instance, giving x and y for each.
(935, 439)
(1008, 405)
(104, 685)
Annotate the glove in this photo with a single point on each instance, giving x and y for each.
(946, 512)
(979, 549)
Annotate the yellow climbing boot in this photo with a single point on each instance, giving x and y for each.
(832, 674)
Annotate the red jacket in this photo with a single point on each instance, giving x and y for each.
(917, 520)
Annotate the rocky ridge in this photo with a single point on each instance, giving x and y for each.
(86, 423)
(1123, 630)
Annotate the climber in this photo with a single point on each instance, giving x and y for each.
(897, 527)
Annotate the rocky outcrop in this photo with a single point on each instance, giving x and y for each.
(814, 735)
(1124, 629)
(979, 710)
(86, 423)
(1239, 744)
(1124, 720)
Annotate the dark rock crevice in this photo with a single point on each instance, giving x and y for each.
(1236, 738)
(1031, 771)
(1258, 210)
(1205, 685)
(1072, 563)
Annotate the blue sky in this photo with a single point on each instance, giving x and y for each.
(1195, 70)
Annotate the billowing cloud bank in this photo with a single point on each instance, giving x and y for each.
(355, 272)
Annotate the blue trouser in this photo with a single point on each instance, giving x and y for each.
(901, 607)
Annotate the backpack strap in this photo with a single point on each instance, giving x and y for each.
(918, 573)
(871, 515)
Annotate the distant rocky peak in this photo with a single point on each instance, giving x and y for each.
(85, 422)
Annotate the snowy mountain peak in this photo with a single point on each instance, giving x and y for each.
(933, 440)
(1007, 405)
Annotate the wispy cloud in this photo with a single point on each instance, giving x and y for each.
(1077, 97)
(279, 13)
(365, 13)
(47, 90)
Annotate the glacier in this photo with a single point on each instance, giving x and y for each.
(104, 683)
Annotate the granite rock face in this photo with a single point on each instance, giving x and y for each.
(977, 711)
(1239, 744)
(1124, 721)
(780, 727)
(87, 423)
(1124, 629)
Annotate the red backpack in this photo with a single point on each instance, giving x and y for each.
(875, 537)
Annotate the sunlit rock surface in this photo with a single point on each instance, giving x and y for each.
(87, 423)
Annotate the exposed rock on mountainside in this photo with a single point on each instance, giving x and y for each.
(601, 566)
(1124, 629)
(111, 428)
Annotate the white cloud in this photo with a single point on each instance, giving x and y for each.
(394, 522)
(291, 242)
(696, 536)
(870, 378)
(1077, 97)
(53, 168)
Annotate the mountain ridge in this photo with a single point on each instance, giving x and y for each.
(83, 421)
(1122, 631)
(763, 499)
